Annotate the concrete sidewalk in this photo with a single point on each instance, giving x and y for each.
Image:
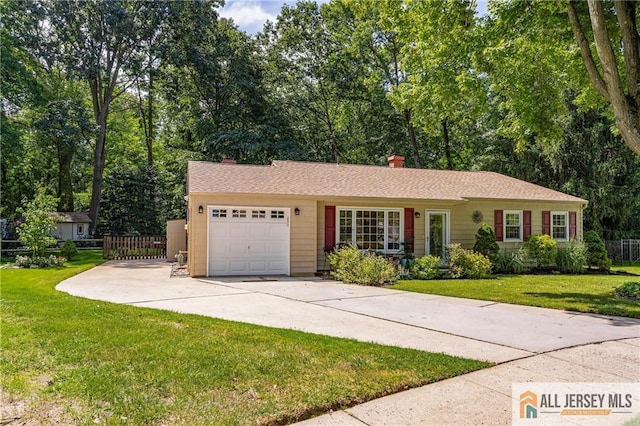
(531, 344)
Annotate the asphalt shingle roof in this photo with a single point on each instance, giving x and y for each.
(71, 217)
(348, 180)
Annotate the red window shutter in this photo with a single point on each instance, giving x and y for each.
(408, 226)
(546, 222)
(572, 224)
(329, 227)
(526, 218)
(498, 225)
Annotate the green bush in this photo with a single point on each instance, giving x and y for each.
(486, 241)
(35, 231)
(596, 252)
(572, 258)
(350, 265)
(629, 290)
(542, 249)
(69, 249)
(509, 262)
(465, 263)
(426, 268)
(39, 261)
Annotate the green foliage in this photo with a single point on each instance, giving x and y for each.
(572, 258)
(465, 263)
(69, 250)
(35, 231)
(426, 268)
(629, 290)
(486, 241)
(541, 249)
(350, 265)
(509, 262)
(596, 251)
(131, 203)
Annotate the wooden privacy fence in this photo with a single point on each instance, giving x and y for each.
(134, 247)
(623, 250)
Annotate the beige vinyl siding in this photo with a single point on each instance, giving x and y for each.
(462, 228)
(302, 233)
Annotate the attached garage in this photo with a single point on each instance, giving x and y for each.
(248, 240)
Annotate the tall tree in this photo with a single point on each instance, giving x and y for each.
(97, 41)
(441, 80)
(616, 73)
(366, 25)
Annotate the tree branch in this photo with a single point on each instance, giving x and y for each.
(585, 51)
(626, 15)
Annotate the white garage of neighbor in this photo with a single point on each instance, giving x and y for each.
(248, 240)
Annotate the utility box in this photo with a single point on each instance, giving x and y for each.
(176, 238)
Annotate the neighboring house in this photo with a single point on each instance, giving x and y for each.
(282, 218)
(71, 225)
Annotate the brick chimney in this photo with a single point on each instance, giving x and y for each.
(396, 161)
(228, 161)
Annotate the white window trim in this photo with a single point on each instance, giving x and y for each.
(447, 230)
(566, 225)
(504, 226)
(386, 210)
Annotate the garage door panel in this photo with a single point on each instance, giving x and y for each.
(257, 244)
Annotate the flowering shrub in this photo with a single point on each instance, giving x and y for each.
(465, 263)
(350, 265)
(426, 268)
(39, 261)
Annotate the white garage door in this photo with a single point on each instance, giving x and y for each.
(248, 240)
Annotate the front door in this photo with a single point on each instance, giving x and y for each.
(437, 232)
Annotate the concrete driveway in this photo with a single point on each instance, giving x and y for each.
(476, 329)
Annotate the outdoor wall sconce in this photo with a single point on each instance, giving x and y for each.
(297, 211)
(416, 215)
(200, 209)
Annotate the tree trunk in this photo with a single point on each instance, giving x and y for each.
(98, 169)
(411, 133)
(447, 143)
(149, 126)
(65, 187)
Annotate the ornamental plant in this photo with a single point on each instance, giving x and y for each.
(35, 231)
(69, 250)
(542, 249)
(350, 265)
(426, 268)
(465, 263)
(597, 256)
(486, 241)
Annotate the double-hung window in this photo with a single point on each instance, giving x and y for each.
(560, 226)
(370, 229)
(513, 225)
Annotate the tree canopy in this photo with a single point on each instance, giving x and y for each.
(102, 99)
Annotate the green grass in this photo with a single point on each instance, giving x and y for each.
(77, 361)
(582, 293)
(633, 268)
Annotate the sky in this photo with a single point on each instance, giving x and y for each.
(250, 15)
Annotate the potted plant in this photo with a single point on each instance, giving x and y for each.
(407, 258)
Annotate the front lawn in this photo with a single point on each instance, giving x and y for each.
(633, 268)
(68, 360)
(582, 293)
